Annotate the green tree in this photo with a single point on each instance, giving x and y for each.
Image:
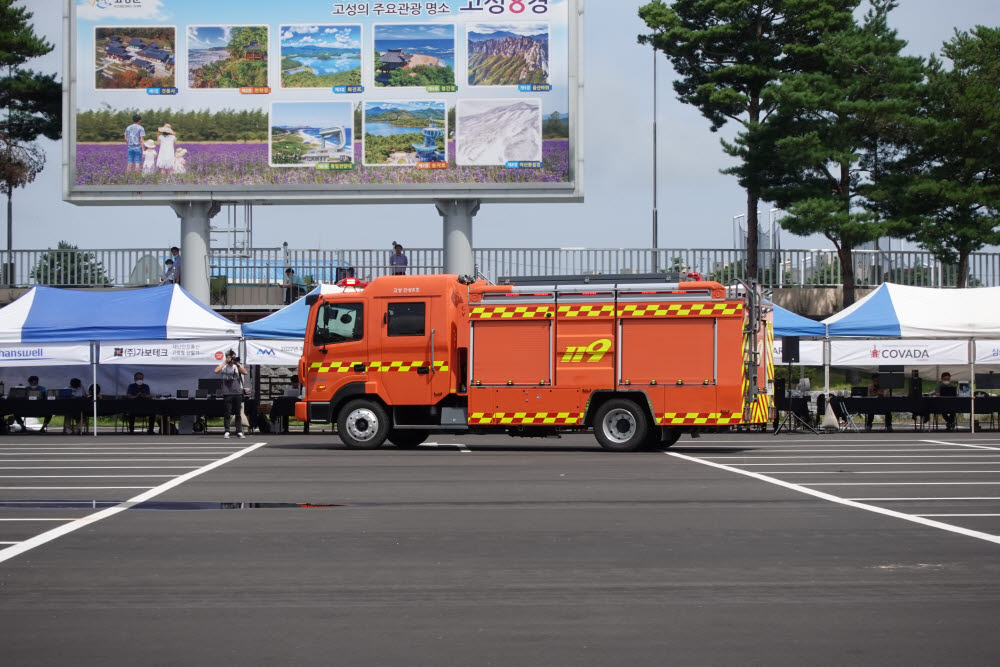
(826, 145)
(729, 55)
(31, 101)
(67, 266)
(242, 36)
(946, 194)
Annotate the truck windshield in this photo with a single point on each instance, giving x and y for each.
(338, 322)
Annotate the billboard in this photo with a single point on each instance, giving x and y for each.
(321, 101)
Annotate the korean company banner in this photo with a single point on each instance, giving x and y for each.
(274, 352)
(167, 352)
(810, 352)
(988, 351)
(899, 352)
(44, 354)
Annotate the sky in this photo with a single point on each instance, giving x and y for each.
(415, 31)
(696, 203)
(208, 37)
(312, 114)
(333, 36)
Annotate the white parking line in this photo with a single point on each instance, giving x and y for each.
(38, 540)
(912, 498)
(842, 501)
(93, 460)
(67, 488)
(904, 483)
(9, 542)
(72, 476)
(956, 515)
(97, 467)
(878, 463)
(130, 453)
(961, 444)
(876, 472)
(852, 458)
(38, 519)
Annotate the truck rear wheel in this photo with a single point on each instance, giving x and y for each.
(363, 424)
(621, 426)
(407, 438)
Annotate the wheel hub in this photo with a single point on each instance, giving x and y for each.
(619, 425)
(362, 424)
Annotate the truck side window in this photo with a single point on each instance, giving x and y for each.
(407, 318)
(338, 322)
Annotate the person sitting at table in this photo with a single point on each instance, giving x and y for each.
(34, 386)
(875, 391)
(138, 389)
(945, 388)
(71, 420)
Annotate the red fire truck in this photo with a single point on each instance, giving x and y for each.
(637, 360)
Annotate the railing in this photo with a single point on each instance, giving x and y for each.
(254, 279)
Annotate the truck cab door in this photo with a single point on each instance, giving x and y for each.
(338, 349)
(412, 364)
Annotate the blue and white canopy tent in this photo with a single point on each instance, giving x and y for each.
(160, 326)
(276, 340)
(919, 326)
(787, 323)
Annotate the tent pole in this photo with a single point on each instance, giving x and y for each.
(972, 383)
(826, 366)
(93, 367)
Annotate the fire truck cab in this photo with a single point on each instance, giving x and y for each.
(638, 361)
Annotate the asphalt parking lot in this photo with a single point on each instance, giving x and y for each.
(861, 549)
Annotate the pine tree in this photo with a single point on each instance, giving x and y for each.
(31, 102)
(945, 193)
(830, 139)
(729, 56)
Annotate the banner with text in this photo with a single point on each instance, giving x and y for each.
(167, 352)
(988, 351)
(810, 353)
(899, 352)
(274, 352)
(44, 354)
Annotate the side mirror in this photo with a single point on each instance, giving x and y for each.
(311, 299)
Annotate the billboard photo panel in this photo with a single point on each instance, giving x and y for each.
(348, 102)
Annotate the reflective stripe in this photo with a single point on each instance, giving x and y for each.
(509, 312)
(605, 310)
(527, 418)
(698, 419)
(376, 366)
(680, 309)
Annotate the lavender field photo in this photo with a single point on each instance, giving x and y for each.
(234, 164)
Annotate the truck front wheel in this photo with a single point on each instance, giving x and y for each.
(363, 424)
(408, 438)
(621, 426)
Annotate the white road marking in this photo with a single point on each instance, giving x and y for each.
(962, 444)
(130, 453)
(860, 450)
(842, 501)
(931, 498)
(92, 460)
(852, 458)
(72, 476)
(97, 467)
(66, 488)
(876, 472)
(38, 519)
(459, 446)
(905, 483)
(956, 515)
(9, 542)
(882, 463)
(38, 540)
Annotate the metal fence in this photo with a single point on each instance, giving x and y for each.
(254, 278)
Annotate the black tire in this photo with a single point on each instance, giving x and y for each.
(669, 437)
(620, 425)
(661, 437)
(363, 424)
(408, 438)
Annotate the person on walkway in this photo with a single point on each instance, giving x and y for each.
(398, 261)
(169, 276)
(175, 254)
(294, 286)
(232, 374)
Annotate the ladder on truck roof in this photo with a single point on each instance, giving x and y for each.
(669, 277)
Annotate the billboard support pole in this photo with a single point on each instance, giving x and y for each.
(195, 244)
(458, 214)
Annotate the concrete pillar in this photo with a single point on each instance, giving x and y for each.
(458, 214)
(195, 246)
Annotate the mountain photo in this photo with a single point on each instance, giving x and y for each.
(508, 54)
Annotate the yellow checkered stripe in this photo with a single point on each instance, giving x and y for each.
(698, 418)
(680, 310)
(587, 310)
(527, 418)
(509, 312)
(376, 366)
(333, 366)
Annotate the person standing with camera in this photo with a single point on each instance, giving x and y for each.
(231, 373)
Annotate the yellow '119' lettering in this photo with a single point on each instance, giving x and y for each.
(595, 350)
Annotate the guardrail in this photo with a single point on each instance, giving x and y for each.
(254, 279)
